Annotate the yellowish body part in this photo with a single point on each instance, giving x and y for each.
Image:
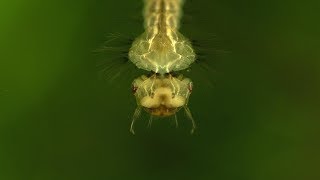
(162, 49)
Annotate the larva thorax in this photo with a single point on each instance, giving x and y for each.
(161, 48)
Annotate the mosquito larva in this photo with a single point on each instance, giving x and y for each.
(162, 49)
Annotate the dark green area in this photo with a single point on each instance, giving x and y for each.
(256, 94)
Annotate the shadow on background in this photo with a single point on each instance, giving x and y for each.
(257, 106)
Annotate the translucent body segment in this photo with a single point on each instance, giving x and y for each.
(168, 12)
(162, 54)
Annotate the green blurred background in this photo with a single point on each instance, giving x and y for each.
(256, 94)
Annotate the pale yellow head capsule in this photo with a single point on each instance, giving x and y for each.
(162, 95)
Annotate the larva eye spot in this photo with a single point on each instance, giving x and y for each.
(134, 89)
(190, 87)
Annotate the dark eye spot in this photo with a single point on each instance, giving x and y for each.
(190, 87)
(134, 89)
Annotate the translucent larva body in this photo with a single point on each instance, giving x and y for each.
(162, 49)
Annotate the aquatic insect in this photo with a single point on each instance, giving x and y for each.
(162, 50)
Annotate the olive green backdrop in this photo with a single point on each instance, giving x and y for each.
(255, 100)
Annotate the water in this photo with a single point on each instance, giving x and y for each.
(254, 99)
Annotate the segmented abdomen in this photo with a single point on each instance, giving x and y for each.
(162, 14)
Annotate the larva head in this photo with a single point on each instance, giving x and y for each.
(162, 95)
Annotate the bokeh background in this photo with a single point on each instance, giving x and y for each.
(256, 93)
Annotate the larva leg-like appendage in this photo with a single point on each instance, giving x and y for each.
(176, 120)
(136, 115)
(189, 115)
(150, 121)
